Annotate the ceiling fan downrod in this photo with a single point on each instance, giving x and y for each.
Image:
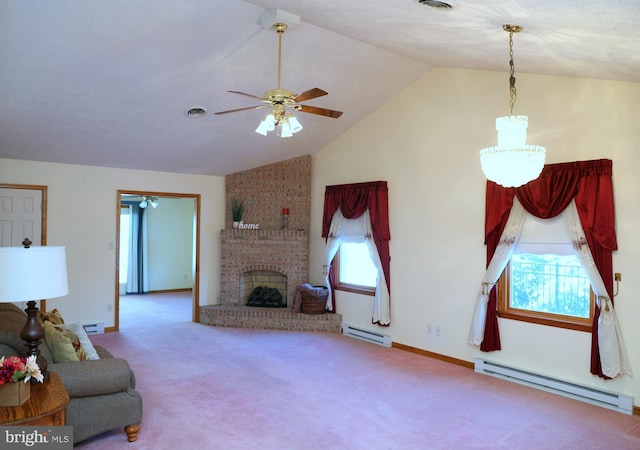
(280, 29)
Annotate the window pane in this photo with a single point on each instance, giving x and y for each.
(356, 266)
(550, 283)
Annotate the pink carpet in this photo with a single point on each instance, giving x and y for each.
(222, 388)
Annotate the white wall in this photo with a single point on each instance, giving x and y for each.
(82, 208)
(425, 144)
(170, 234)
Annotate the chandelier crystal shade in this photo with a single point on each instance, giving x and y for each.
(512, 162)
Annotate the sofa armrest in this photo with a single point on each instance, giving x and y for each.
(102, 352)
(94, 377)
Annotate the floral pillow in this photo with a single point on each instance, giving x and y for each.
(64, 345)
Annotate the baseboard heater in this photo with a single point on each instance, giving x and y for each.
(94, 328)
(366, 335)
(606, 399)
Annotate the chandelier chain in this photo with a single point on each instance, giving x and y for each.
(512, 79)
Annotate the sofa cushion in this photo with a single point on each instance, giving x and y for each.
(63, 344)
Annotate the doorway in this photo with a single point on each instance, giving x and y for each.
(145, 204)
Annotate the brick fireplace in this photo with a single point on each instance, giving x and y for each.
(280, 251)
(271, 249)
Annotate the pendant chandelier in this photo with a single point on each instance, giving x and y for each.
(512, 162)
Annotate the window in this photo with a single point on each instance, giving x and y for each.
(544, 281)
(353, 269)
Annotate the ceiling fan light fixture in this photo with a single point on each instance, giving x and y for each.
(288, 124)
(279, 99)
(148, 200)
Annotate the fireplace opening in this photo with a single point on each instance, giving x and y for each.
(267, 297)
(263, 288)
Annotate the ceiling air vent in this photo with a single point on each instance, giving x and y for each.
(436, 4)
(195, 112)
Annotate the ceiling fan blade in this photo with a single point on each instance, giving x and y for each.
(247, 95)
(241, 109)
(320, 111)
(308, 95)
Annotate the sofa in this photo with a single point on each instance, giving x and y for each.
(101, 390)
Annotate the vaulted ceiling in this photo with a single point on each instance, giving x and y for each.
(110, 83)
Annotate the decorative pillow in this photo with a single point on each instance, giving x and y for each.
(63, 345)
(80, 332)
(53, 316)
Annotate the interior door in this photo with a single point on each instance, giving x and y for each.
(22, 215)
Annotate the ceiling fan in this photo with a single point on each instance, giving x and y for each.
(282, 101)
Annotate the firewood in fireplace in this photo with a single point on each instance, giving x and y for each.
(265, 296)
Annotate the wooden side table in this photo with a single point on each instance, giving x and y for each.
(46, 405)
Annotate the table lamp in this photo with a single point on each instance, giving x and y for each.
(29, 274)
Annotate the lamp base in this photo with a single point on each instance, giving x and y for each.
(32, 334)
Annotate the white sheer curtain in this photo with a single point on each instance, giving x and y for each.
(613, 353)
(381, 299)
(358, 230)
(334, 240)
(508, 241)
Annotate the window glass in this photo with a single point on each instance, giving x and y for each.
(355, 265)
(555, 284)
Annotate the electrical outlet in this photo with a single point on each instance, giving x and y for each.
(437, 330)
(617, 276)
(109, 308)
(429, 330)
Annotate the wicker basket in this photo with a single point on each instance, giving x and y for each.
(313, 304)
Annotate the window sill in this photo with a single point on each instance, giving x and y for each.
(355, 289)
(567, 322)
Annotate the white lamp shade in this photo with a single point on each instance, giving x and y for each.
(33, 273)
